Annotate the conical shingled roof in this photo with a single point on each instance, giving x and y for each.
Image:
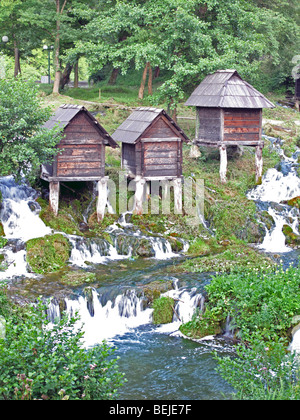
(226, 89)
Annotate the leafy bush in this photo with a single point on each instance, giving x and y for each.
(262, 306)
(42, 362)
(261, 303)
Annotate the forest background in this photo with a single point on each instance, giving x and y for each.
(182, 41)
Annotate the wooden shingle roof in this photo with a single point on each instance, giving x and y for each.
(65, 114)
(226, 89)
(138, 122)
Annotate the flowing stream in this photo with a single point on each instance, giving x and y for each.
(158, 362)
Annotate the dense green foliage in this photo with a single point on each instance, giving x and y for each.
(187, 39)
(24, 145)
(43, 361)
(263, 307)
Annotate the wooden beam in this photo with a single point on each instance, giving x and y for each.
(258, 164)
(102, 198)
(223, 163)
(54, 188)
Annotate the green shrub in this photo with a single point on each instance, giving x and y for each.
(39, 362)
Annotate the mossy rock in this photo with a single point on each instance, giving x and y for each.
(200, 327)
(77, 278)
(48, 254)
(295, 202)
(163, 310)
(145, 249)
(153, 290)
(1, 230)
(291, 237)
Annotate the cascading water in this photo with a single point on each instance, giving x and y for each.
(157, 362)
(19, 211)
(276, 189)
(19, 217)
(106, 318)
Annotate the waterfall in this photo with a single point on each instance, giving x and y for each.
(19, 215)
(19, 211)
(276, 189)
(105, 318)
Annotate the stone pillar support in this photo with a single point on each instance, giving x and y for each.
(102, 198)
(54, 188)
(223, 163)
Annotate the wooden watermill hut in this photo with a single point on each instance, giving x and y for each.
(151, 150)
(229, 113)
(81, 156)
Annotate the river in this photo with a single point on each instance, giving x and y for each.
(158, 362)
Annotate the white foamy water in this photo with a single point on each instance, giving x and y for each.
(122, 314)
(20, 212)
(278, 187)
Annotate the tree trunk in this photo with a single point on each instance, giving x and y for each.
(59, 12)
(76, 77)
(150, 91)
(143, 82)
(17, 69)
(65, 78)
(113, 76)
(156, 72)
(56, 55)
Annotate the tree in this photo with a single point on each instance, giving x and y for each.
(22, 38)
(24, 144)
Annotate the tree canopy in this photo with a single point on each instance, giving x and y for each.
(24, 144)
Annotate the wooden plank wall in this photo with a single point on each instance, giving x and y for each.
(209, 125)
(162, 156)
(83, 149)
(128, 158)
(242, 125)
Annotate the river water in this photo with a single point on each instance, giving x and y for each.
(158, 362)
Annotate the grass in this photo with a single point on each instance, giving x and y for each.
(47, 254)
(230, 215)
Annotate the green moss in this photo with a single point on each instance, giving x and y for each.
(228, 258)
(199, 246)
(153, 290)
(48, 254)
(76, 278)
(201, 326)
(63, 222)
(163, 309)
(291, 237)
(1, 230)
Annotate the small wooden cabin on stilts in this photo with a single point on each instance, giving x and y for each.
(152, 151)
(229, 113)
(82, 154)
